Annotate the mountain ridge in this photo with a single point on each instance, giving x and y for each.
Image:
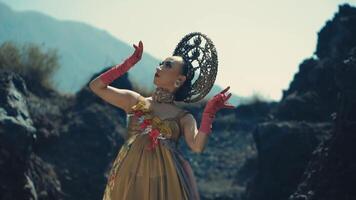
(83, 49)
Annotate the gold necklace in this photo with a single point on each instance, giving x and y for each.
(162, 95)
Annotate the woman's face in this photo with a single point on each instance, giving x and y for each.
(168, 72)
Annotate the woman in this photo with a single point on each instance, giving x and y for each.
(149, 165)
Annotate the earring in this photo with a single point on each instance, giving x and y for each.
(176, 84)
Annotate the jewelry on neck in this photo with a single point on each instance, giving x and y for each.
(162, 95)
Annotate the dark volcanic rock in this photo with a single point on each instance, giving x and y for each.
(332, 172)
(303, 124)
(23, 175)
(312, 95)
(14, 114)
(338, 35)
(284, 149)
(55, 146)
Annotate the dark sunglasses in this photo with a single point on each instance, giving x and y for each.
(166, 64)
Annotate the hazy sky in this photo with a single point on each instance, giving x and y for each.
(260, 44)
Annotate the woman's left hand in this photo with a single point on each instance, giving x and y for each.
(218, 102)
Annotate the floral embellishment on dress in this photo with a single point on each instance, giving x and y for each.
(145, 123)
(153, 126)
(138, 113)
(154, 138)
(162, 126)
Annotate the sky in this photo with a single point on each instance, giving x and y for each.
(260, 44)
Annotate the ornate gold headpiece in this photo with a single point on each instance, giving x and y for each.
(199, 52)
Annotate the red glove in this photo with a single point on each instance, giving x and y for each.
(118, 70)
(214, 105)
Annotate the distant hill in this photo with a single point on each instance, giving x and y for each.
(83, 49)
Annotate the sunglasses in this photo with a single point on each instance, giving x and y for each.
(166, 64)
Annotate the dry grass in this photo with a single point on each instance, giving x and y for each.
(30, 61)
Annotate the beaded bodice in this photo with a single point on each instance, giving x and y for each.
(141, 120)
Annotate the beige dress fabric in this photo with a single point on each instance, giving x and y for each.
(160, 174)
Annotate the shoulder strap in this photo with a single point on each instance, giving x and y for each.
(179, 116)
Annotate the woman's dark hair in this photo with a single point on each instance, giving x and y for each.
(183, 91)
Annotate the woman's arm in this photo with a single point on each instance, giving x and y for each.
(195, 139)
(121, 98)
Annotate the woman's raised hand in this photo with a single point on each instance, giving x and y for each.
(218, 102)
(119, 69)
(214, 104)
(137, 54)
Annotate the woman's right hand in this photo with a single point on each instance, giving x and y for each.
(122, 98)
(136, 56)
(120, 69)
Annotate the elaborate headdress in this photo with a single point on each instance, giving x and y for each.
(199, 52)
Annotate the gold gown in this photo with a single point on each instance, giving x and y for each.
(159, 174)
